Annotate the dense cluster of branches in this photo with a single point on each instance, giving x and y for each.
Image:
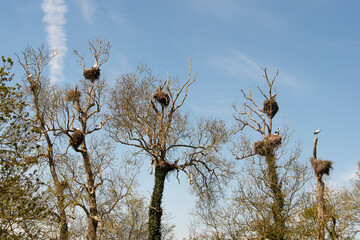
(146, 115)
(270, 200)
(60, 177)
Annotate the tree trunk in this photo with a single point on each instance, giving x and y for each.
(320, 200)
(278, 205)
(92, 223)
(92, 228)
(64, 231)
(320, 208)
(59, 188)
(155, 211)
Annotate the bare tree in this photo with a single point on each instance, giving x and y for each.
(266, 195)
(87, 108)
(34, 62)
(76, 115)
(146, 115)
(246, 212)
(92, 188)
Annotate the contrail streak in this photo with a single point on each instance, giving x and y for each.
(55, 20)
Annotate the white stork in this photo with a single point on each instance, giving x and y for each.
(277, 131)
(317, 131)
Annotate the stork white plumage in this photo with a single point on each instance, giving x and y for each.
(277, 131)
(317, 131)
(95, 65)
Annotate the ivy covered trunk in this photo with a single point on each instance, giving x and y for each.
(278, 232)
(155, 211)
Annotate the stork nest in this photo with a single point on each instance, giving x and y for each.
(34, 86)
(274, 140)
(76, 139)
(162, 97)
(30, 159)
(72, 95)
(321, 167)
(268, 145)
(270, 107)
(92, 73)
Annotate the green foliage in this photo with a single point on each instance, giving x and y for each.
(21, 202)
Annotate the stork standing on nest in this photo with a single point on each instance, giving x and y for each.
(277, 131)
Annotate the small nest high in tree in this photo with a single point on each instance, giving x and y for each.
(92, 74)
(321, 167)
(162, 97)
(30, 159)
(270, 107)
(72, 95)
(268, 145)
(76, 139)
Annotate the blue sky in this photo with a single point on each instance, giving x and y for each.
(314, 43)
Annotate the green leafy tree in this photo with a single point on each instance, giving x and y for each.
(130, 221)
(22, 206)
(341, 218)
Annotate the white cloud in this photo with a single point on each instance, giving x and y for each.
(55, 20)
(87, 10)
(237, 64)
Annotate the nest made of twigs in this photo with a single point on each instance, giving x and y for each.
(30, 159)
(92, 73)
(321, 167)
(268, 145)
(270, 107)
(162, 97)
(76, 139)
(274, 140)
(72, 95)
(259, 148)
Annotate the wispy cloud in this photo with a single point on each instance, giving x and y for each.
(237, 64)
(87, 10)
(55, 20)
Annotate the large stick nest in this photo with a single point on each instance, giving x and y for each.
(162, 97)
(72, 95)
(321, 167)
(76, 139)
(92, 73)
(268, 145)
(270, 107)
